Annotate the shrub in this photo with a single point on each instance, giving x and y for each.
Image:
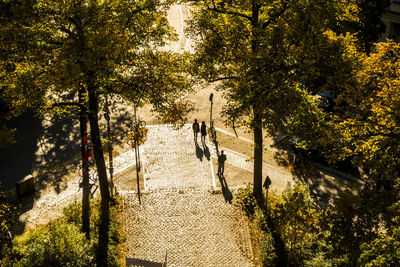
(61, 243)
(57, 244)
(267, 250)
(246, 200)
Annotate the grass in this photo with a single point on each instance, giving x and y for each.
(271, 157)
(234, 176)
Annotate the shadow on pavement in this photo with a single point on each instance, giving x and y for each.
(142, 263)
(226, 192)
(199, 152)
(17, 160)
(41, 144)
(207, 153)
(324, 185)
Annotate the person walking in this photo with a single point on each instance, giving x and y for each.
(203, 131)
(221, 162)
(88, 154)
(196, 129)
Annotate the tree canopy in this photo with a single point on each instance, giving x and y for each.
(370, 134)
(268, 57)
(65, 54)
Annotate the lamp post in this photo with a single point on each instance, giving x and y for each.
(137, 155)
(211, 100)
(136, 136)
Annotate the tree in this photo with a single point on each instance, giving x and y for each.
(267, 56)
(370, 25)
(91, 48)
(371, 135)
(385, 248)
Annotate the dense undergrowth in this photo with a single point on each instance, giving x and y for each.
(61, 242)
(357, 230)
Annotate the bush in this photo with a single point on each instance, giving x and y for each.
(58, 244)
(61, 243)
(267, 250)
(246, 200)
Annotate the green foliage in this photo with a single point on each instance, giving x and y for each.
(372, 137)
(246, 200)
(58, 244)
(261, 52)
(359, 229)
(357, 221)
(295, 219)
(8, 219)
(370, 26)
(61, 243)
(382, 251)
(267, 249)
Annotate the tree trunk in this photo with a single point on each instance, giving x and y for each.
(258, 155)
(97, 147)
(102, 174)
(85, 167)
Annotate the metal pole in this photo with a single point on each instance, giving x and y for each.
(211, 113)
(211, 100)
(266, 204)
(137, 153)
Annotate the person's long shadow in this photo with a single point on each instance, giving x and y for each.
(199, 152)
(226, 192)
(207, 153)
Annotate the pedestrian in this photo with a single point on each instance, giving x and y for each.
(203, 131)
(88, 154)
(196, 129)
(221, 162)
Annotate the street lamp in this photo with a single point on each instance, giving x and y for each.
(136, 136)
(211, 100)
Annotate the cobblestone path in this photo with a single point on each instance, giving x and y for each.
(172, 160)
(179, 213)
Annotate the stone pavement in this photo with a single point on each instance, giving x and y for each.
(172, 160)
(179, 214)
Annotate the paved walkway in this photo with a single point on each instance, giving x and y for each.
(179, 213)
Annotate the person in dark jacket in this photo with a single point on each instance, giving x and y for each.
(196, 129)
(203, 131)
(221, 162)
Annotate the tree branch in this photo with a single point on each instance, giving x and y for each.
(276, 16)
(67, 31)
(60, 104)
(224, 78)
(224, 11)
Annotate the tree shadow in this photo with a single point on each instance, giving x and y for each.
(325, 185)
(144, 263)
(17, 159)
